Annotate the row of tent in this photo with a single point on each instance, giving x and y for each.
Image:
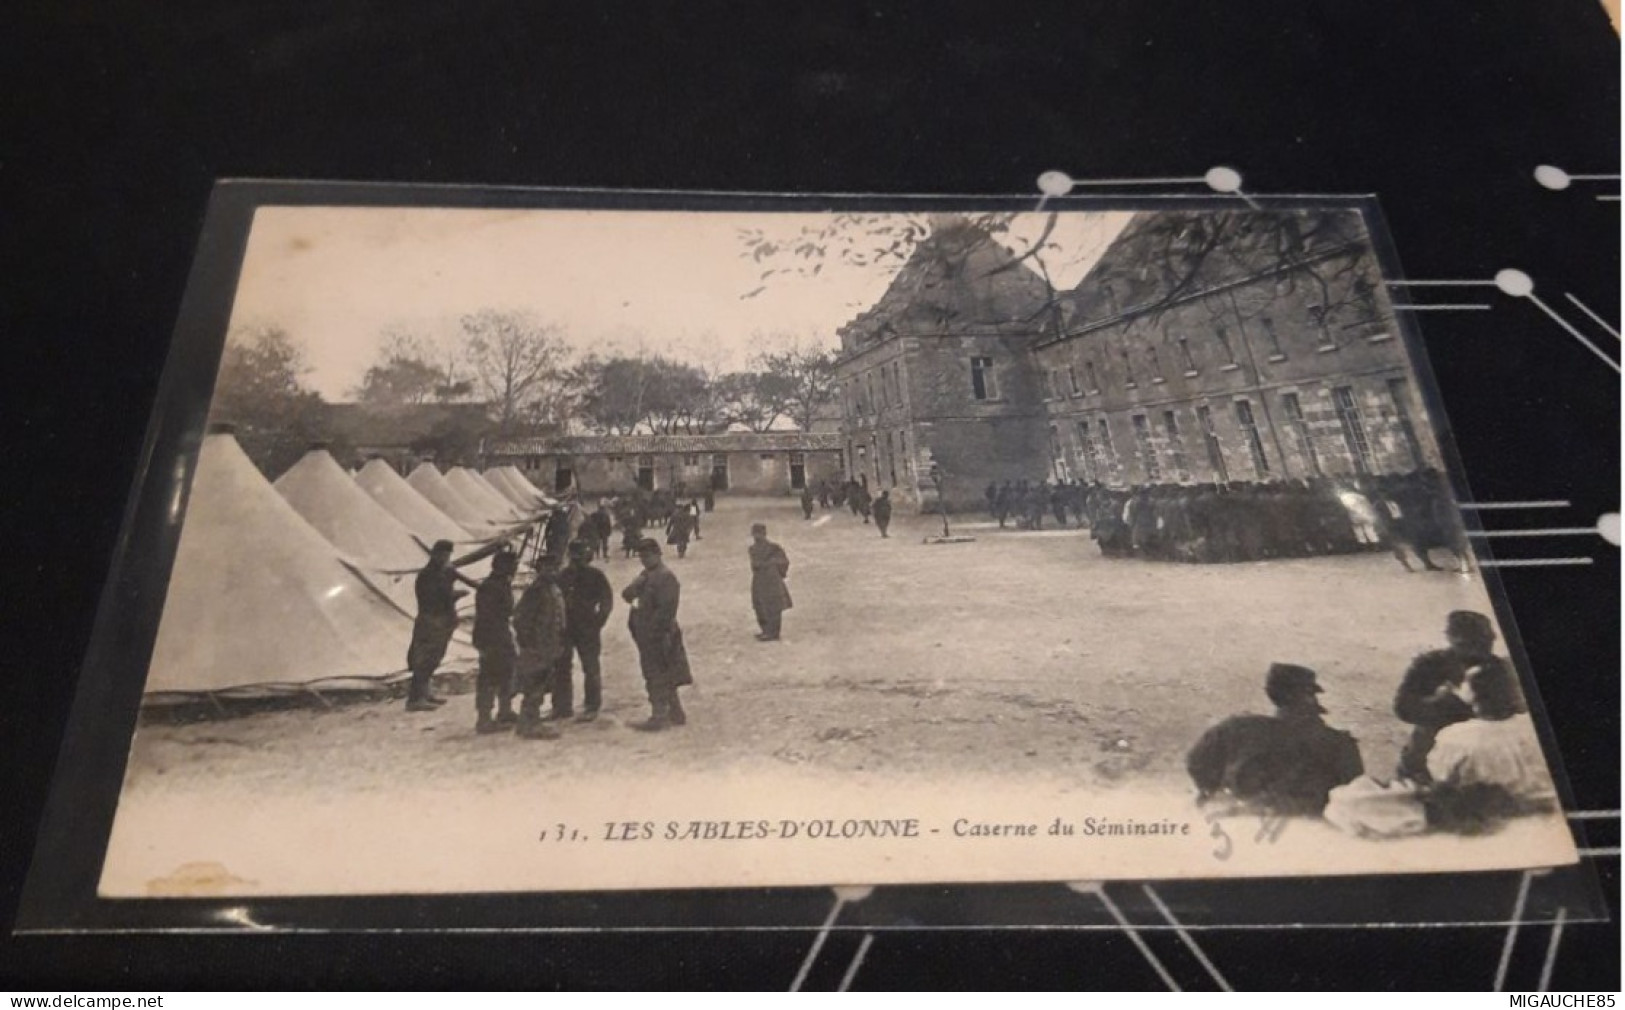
(310, 581)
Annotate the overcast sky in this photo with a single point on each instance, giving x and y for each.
(663, 282)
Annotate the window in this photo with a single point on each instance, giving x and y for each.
(1323, 334)
(692, 459)
(1210, 438)
(1128, 368)
(891, 458)
(869, 385)
(1185, 356)
(1057, 455)
(766, 457)
(1176, 445)
(1108, 451)
(1088, 461)
(1400, 391)
(1300, 431)
(1148, 452)
(897, 382)
(1156, 364)
(902, 447)
(1249, 432)
(983, 383)
(1047, 380)
(1354, 436)
(1089, 373)
(1274, 338)
(1223, 336)
(885, 389)
(1072, 380)
(615, 459)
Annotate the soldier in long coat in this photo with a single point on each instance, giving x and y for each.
(538, 624)
(679, 528)
(654, 597)
(769, 567)
(882, 509)
(493, 637)
(436, 619)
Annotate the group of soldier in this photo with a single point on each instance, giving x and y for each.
(852, 493)
(1472, 756)
(527, 649)
(1407, 514)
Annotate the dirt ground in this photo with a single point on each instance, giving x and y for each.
(1020, 652)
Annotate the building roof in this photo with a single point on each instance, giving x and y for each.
(364, 425)
(958, 280)
(1167, 255)
(631, 445)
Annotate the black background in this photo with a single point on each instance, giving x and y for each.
(116, 118)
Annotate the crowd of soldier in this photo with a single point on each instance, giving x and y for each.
(1407, 514)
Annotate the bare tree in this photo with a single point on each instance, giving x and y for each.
(517, 362)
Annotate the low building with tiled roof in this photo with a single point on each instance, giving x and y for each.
(745, 462)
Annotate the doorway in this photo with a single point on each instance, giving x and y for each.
(564, 476)
(646, 472)
(719, 471)
(798, 471)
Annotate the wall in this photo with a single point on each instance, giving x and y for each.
(748, 472)
(1177, 360)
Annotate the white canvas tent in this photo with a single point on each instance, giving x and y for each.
(522, 482)
(389, 489)
(325, 496)
(526, 500)
(429, 483)
(482, 496)
(258, 601)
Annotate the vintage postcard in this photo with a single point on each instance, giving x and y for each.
(565, 549)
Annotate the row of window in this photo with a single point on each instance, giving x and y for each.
(1069, 381)
(1098, 457)
(861, 460)
(860, 392)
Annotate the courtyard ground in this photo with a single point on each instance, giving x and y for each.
(1021, 652)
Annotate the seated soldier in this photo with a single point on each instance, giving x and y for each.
(1280, 764)
(1490, 766)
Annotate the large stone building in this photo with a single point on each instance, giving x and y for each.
(771, 462)
(1203, 346)
(936, 377)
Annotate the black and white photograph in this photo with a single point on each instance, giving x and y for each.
(562, 549)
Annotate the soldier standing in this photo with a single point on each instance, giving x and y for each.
(769, 567)
(601, 525)
(806, 502)
(654, 596)
(538, 624)
(883, 512)
(678, 530)
(587, 605)
(431, 630)
(991, 493)
(493, 637)
(1429, 698)
(1003, 499)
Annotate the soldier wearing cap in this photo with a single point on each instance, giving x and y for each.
(493, 637)
(769, 567)
(587, 605)
(1429, 695)
(436, 619)
(654, 597)
(538, 624)
(1283, 764)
